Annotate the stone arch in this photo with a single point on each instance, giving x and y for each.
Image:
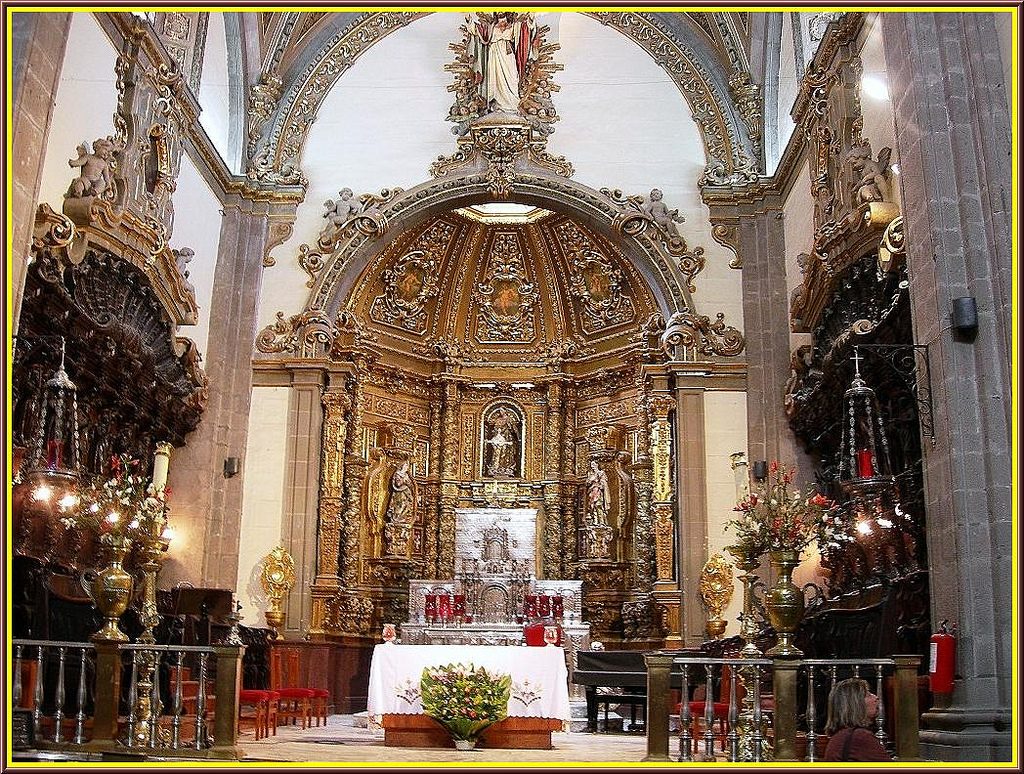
(729, 152)
(335, 275)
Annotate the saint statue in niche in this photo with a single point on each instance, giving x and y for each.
(398, 517)
(502, 431)
(500, 46)
(598, 495)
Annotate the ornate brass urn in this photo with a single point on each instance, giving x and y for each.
(785, 603)
(111, 588)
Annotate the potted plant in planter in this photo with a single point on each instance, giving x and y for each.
(465, 700)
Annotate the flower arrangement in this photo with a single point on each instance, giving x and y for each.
(121, 505)
(465, 699)
(779, 517)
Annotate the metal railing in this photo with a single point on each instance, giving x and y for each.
(178, 700)
(752, 727)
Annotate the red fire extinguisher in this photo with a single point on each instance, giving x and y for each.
(943, 659)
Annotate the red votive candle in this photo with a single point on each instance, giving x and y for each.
(865, 469)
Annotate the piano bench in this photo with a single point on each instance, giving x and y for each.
(614, 699)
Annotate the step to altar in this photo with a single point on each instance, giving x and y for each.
(512, 733)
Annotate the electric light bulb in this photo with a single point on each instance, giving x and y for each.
(113, 517)
(94, 508)
(69, 500)
(42, 493)
(168, 534)
(864, 527)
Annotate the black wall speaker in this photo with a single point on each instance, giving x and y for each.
(965, 316)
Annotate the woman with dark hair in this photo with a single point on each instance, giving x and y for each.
(851, 711)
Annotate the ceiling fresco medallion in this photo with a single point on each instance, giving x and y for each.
(408, 285)
(505, 298)
(596, 282)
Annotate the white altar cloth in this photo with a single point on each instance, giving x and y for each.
(540, 687)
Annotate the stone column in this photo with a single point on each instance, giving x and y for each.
(761, 244)
(953, 141)
(215, 502)
(298, 520)
(38, 41)
(692, 506)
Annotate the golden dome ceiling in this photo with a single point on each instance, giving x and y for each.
(510, 293)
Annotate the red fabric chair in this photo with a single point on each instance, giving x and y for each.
(719, 708)
(260, 701)
(296, 702)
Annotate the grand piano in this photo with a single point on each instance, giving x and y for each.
(620, 669)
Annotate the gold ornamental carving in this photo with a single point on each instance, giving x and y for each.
(637, 215)
(330, 511)
(716, 589)
(348, 613)
(595, 281)
(277, 576)
(505, 298)
(688, 335)
(663, 534)
(661, 456)
(893, 249)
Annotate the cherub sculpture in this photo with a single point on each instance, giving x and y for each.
(873, 185)
(339, 212)
(663, 217)
(183, 257)
(96, 175)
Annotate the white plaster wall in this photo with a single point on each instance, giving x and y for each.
(213, 87)
(879, 121)
(197, 225)
(623, 125)
(789, 86)
(725, 429)
(262, 494)
(84, 106)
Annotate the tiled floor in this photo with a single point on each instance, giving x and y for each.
(342, 741)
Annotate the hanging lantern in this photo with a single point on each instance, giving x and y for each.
(864, 453)
(52, 463)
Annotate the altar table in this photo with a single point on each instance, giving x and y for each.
(538, 703)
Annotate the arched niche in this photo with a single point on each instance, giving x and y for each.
(640, 242)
